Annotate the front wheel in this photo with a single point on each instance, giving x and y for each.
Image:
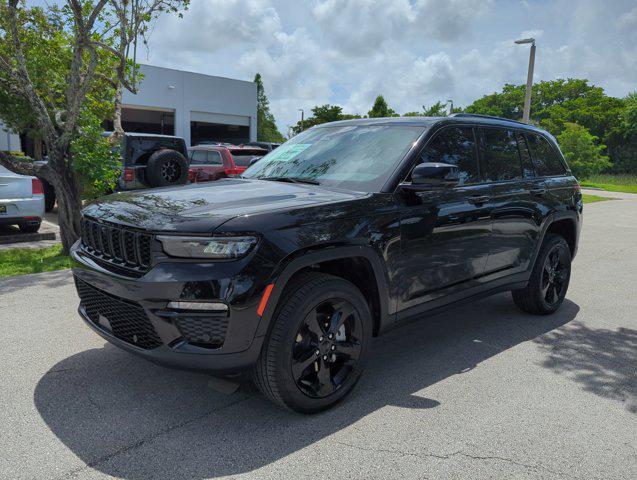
(549, 280)
(317, 347)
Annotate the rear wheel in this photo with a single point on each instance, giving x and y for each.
(29, 227)
(549, 280)
(317, 347)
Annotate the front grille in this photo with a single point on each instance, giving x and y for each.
(126, 320)
(207, 331)
(121, 246)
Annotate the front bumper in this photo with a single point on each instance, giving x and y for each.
(141, 322)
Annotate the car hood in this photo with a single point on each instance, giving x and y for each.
(204, 207)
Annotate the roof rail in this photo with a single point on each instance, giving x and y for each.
(478, 115)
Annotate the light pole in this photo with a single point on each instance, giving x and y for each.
(450, 102)
(526, 114)
(302, 119)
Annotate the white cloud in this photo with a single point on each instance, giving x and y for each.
(414, 52)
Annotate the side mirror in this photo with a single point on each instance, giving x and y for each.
(431, 176)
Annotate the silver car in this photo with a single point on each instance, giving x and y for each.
(21, 201)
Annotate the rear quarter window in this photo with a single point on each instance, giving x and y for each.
(546, 159)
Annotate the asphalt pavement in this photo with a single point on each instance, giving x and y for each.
(479, 392)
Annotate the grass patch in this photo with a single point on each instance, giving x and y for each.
(594, 198)
(20, 261)
(612, 183)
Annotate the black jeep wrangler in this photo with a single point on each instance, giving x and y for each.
(150, 160)
(348, 229)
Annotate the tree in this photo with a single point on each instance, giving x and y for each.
(267, 130)
(62, 65)
(323, 114)
(581, 151)
(381, 109)
(438, 109)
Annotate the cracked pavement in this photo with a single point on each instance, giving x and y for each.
(479, 392)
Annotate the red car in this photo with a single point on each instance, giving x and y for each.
(212, 162)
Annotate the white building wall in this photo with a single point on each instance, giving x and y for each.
(194, 96)
(9, 141)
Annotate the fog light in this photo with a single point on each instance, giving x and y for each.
(200, 306)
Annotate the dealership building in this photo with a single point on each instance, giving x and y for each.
(194, 106)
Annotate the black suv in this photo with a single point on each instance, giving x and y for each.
(344, 231)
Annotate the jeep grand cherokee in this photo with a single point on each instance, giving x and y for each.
(347, 229)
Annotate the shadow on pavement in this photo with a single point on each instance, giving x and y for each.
(130, 419)
(52, 279)
(602, 361)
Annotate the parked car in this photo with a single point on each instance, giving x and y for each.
(269, 146)
(348, 229)
(21, 201)
(49, 190)
(212, 162)
(151, 160)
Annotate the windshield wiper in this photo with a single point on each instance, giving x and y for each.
(291, 180)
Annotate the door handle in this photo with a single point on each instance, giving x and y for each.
(538, 191)
(479, 199)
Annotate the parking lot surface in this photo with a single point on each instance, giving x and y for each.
(481, 391)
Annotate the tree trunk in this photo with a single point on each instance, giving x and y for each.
(67, 192)
(118, 130)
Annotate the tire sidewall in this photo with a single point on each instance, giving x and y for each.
(334, 289)
(160, 158)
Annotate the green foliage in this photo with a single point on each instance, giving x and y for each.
(20, 261)
(97, 162)
(381, 109)
(438, 109)
(323, 114)
(267, 130)
(581, 151)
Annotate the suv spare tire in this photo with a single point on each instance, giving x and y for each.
(167, 167)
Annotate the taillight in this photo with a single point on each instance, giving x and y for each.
(129, 174)
(36, 187)
(192, 177)
(232, 171)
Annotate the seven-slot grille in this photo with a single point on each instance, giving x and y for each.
(116, 244)
(126, 320)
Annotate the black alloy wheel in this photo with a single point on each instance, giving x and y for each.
(170, 171)
(326, 348)
(547, 286)
(317, 345)
(555, 274)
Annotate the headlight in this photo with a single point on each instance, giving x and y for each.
(207, 247)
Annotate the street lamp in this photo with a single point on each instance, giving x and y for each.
(302, 114)
(450, 102)
(526, 114)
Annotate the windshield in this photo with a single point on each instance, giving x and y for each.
(356, 157)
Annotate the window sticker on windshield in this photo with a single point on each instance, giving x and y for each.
(285, 153)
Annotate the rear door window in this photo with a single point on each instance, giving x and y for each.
(198, 157)
(214, 158)
(455, 146)
(546, 159)
(500, 155)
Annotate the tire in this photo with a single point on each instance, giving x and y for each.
(49, 195)
(549, 280)
(291, 344)
(29, 227)
(167, 167)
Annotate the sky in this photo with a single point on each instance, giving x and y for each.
(413, 52)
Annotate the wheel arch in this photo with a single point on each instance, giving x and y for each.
(335, 260)
(565, 224)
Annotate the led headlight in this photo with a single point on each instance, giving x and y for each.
(207, 247)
